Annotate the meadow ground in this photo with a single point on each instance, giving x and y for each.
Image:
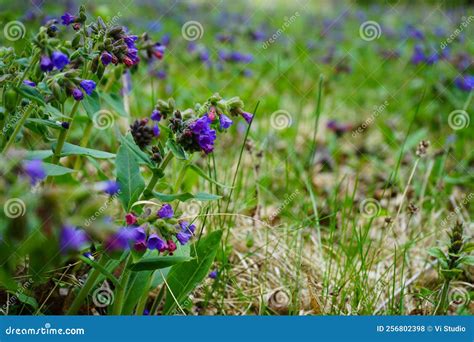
(348, 192)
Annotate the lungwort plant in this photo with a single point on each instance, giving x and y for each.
(58, 213)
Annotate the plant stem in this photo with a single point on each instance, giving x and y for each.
(19, 125)
(81, 296)
(85, 139)
(157, 174)
(120, 292)
(443, 299)
(63, 135)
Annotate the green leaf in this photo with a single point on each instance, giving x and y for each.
(138, 283)
(115, 102)
(39, 154)
(183, 197)
(141, 156)
(437, 253)
(176, 149)
(43, 122)
(466, 260)
(203, 174)
(129, 177)
(22, 297)
(70, 150)
(468, 247)
(159, 262)
(184, 277)
(56, 170)
(101, 269)
(31, 93)
(91, 104)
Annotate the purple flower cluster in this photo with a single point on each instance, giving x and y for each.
(465, 83)
(57, 60)
(87, 85)
(203, 134)
(235, 56)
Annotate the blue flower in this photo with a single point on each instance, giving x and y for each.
(186, 233)
(465, 83)
(156, 130)
(77, 94)
(88, 86)
(109, 187)
(155, 242)
(247, 116)
(35, 171)
(72, 239)
(156, 115)
(203, 134)
(418, 55)
(121, 239)
(106, 58)
(213, 274)
(46, 64)
(224, 121)
(29, 83)
(60, 60)
(165, 212)
(67, 19)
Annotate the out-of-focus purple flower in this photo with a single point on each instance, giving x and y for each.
(186, 233)
(156, 115)
(160, 74)
(155, 242)
(46, 64)
(121, 239)
(29, 83)
(35, 171)
(106, 58)
(415, 33)
(165, 212)
(130, 41)
(139, 234)
(213, 274)
(247, 116)
(337, 127)
(156, 130)
(432, 59)
(418, 55)
(77, 94)
(60, 60)
(88, 86)
(72, 239)
(166, 39)
(67, 19)
(110, 187)
(465, 83)
(158, 50)
(224, 121)
(257, 35)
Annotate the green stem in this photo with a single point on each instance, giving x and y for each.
(85, 139)
(19, 125)
(443, 299)
(32, 64)
(120, 292)
(157, 174)
(81, 296)
(63, 135)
